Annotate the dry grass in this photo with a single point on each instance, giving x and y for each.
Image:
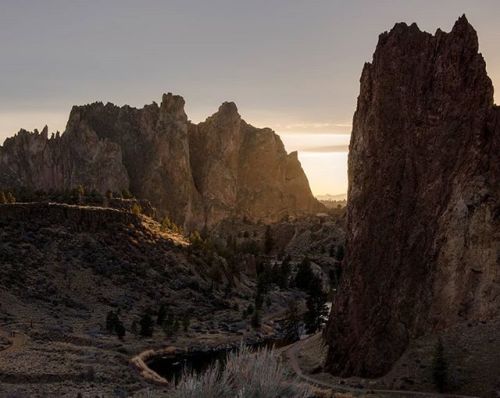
(246, 374)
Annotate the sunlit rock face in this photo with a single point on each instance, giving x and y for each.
(155, 148)
(245, 171)
(198, 175)
(423, 213)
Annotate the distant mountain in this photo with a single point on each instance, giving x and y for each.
(328, 197)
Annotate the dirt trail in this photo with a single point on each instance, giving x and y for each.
(291, 351)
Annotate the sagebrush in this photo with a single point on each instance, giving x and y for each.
(246, 374)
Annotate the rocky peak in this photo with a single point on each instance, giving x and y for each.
(423, 190)
(172, 106)
(228, 109)
(462, 28)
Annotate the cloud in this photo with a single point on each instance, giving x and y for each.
(326, 149)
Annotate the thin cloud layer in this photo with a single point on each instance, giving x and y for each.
(320, 127)
(326, 149)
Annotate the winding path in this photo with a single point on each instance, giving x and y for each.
(291, 356)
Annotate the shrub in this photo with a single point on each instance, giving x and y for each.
(136, 209)
(246, 374)
(126, 194)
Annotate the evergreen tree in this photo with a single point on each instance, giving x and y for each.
(248, 311)
(111, 321)
(120, 329)
(162, 314)
(196, 240)
(304, 275)
(284, 272)
(169, 325)
(256, 319)
(185, 323)
(339, 256)
(134, 328)
(316, 311)
(292, 322)
(146, 323)
(316, 305)
(77, 194)
(439, 367)
(259, 300)
(268, 240)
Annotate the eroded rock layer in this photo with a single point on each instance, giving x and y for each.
(423, 214)
(198, 175)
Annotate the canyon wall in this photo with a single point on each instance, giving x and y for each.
(197, 175)
(423, 234)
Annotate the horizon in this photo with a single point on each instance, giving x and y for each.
(305, 88)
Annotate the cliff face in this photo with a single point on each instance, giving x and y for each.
(155, 147)
(36, 161)
(198, 175)
(423, 214)
(245, 171)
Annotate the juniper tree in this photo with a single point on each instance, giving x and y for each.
(146, 323)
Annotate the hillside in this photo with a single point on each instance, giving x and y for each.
(65, 267)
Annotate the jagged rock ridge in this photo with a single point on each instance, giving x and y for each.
(423, 214)
(196, 174)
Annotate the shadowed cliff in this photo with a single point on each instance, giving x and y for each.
(423, 212)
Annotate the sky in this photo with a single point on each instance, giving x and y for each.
(290, 65)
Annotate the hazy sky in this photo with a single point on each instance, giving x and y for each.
(290, 65)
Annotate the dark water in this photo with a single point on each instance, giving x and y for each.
(172, 367)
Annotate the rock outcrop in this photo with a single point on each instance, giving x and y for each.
(197, 175)
(77, 158)
(245, 171)
(423, 233)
